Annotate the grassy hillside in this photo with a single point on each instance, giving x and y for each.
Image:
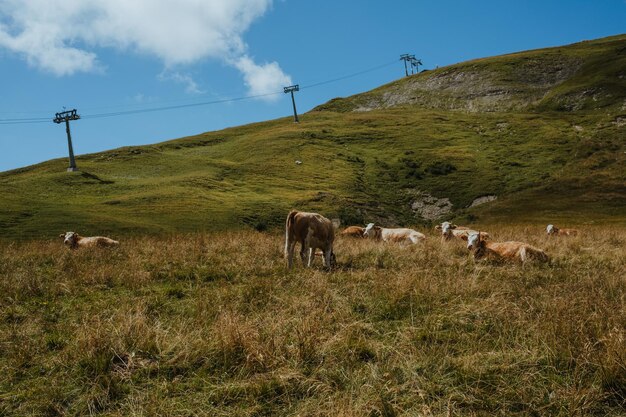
(214, 325)
(401, 162)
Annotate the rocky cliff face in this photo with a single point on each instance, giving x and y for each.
(473, 87)
(586, 75)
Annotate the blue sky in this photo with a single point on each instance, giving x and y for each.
(110, 56)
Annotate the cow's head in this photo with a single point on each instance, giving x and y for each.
(551, 229)
(372, 231)
(70, 239)
(368, 229)
(474, 241)
(477, 244)
(446, 228)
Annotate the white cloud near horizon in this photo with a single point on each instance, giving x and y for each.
(62, 37)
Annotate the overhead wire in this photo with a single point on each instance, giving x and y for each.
(345, 77)
(25, 121)
(34, 120)
(178, 106)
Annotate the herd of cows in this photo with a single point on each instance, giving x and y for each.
(314, 231)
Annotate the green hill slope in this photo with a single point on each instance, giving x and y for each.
(550, 147)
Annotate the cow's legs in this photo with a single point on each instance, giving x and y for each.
(307, 249)
(327, 257)
(311, 256)
(303, 251)
(291, 247)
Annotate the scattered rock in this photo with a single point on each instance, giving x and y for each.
(502, 126)
(482, 200)
(620, 121)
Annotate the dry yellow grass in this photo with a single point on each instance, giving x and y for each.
(214, 325)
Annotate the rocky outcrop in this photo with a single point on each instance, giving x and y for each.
(429, 207)
(476, 87)
(482, 200)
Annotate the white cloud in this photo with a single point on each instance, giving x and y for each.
(62, 37)
(262, 79)
(191, 86)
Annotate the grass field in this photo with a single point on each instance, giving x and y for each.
(212, 324)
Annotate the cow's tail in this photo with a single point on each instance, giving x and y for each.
(289, 231)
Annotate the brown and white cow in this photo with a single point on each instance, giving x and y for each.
(312, 231)
(552, 230)
(402, 235)
(353, 231)
(74, 241)
(450, 231)
(504, 250)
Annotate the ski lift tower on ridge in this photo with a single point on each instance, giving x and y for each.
(291, 89)
(66, 116)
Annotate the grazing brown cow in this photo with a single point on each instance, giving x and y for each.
(505, 250)
(552, 230)
(450, 231)
(353, 231)
(402, 235)
(312, 231)
(74, 241)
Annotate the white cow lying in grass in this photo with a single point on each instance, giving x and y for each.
(75, 241)
(552, 230)
(402, 235)
(504, 250)
(450, 231)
